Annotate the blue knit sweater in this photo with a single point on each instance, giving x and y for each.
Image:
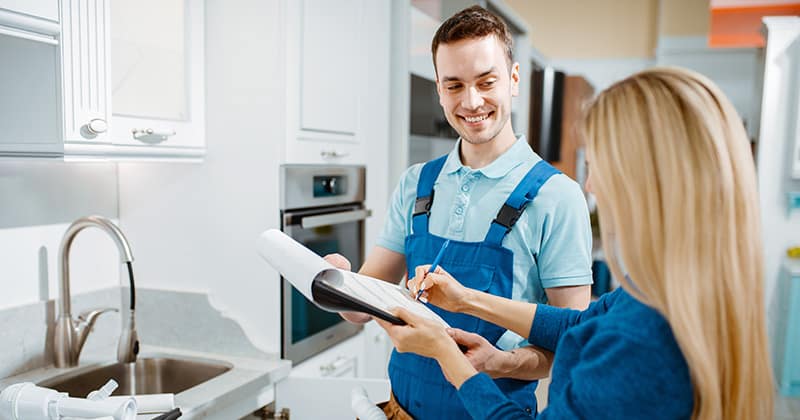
(617, 359)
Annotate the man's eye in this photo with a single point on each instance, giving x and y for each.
(453, 87)
(489, 83)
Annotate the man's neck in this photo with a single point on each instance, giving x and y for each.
(477, 156)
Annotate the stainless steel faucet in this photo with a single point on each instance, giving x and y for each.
(70, 335)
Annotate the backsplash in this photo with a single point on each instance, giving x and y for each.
(39, 201)
(26, 331)
(180, 320)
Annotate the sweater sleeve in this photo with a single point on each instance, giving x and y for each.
(619, 377)
(484, 400)
(551, 322)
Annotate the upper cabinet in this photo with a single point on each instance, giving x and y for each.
(157, 77)
(332, 47)
(121, 79)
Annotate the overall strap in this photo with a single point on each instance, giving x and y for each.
(523, 194)
(422, 206)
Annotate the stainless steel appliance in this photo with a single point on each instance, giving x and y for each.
(322, 207)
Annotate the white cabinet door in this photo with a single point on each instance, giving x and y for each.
(331, 66)
(157, 77)
(325, 398)
(331, 52)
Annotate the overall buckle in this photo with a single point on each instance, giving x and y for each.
(508, 216)
(423, 205)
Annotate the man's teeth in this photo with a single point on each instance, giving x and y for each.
(476, 119)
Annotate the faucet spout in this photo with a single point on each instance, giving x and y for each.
(69, 336)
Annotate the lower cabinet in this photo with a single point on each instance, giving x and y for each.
(322, 386)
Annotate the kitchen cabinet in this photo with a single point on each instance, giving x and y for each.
(72, 94)
(330, 377)
(157, 78)
(787, 336)
(337, 65)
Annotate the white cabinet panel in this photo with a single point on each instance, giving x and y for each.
(43, 9)
(331, 65)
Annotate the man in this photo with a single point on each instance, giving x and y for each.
(517, 227)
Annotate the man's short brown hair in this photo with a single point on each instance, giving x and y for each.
(471, 23)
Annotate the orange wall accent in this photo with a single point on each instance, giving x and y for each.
(740, 27)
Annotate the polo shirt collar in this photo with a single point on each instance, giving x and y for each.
(513, 157)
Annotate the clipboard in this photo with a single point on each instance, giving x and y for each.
(335, 290)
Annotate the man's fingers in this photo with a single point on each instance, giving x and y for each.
(463, 337)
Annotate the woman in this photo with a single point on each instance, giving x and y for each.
(684, 336)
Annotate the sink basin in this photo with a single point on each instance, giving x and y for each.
(146, 376)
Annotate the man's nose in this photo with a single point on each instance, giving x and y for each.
(472, 99)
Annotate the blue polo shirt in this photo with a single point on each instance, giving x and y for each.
(551, 241)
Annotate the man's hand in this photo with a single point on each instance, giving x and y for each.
(342, 263)
(338, 261)
(483, 356)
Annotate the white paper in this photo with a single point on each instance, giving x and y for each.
(295, 262)
(301, 266)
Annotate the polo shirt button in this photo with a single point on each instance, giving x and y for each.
(459, 210)
(465, 188)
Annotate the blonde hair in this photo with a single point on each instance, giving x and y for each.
(676, 187)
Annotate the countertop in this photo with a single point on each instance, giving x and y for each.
(248, 382)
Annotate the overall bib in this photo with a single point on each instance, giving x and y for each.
(417, 382)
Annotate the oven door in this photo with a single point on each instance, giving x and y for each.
(308, 330)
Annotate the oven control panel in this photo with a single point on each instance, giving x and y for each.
(330, 186)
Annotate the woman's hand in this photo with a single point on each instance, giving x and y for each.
(430, 339)
(440, 288)
(420, 335)
(342, 263)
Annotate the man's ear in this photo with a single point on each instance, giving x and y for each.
(515, 79)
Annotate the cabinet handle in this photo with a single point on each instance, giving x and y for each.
(333, 154)
(152, 136)
(338, 367)
(94, 128)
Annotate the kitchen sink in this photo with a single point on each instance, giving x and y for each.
(145, 376)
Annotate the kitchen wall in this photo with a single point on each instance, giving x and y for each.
(198, 223)
(39, 200)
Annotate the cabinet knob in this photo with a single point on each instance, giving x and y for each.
(94, 127)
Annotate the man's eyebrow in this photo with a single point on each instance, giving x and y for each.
(456, 79)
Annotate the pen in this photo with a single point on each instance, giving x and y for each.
(435, 264)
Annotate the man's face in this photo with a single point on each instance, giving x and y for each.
(475, 87)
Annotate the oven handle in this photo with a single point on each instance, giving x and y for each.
(334, 218)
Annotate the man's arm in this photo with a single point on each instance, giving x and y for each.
(531, 362)
(384, 264)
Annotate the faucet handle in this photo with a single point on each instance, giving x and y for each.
(89, 317)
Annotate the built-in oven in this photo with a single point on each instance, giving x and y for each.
(322, 207)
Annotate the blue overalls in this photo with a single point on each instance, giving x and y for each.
(417, 382)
